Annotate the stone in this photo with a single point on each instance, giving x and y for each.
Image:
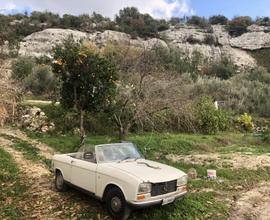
(36, 120)
(251, 41)
(192, 173)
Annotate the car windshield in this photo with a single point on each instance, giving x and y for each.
(117, 152)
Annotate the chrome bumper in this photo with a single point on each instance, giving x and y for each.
(155, 202)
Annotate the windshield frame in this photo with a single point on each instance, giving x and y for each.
(113, 145)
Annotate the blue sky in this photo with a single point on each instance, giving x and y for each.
(157, 8)
(231, 8)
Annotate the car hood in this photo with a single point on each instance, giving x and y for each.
(149, 171)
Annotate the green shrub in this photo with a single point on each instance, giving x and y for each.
(238, 25)
(224, 69)
(245, 122)
(262, 57)
(266, 136)
(218, 19)
(41, 81)
(211, 120)
(22, 67)
(193, 40)
(259, 74)
(131, 21)
(263, 21)
(198, 21)
(210, 40)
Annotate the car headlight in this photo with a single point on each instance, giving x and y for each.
(182, 181)
(144, 188)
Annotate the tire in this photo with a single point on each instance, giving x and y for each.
(116, 204)
(59, 182)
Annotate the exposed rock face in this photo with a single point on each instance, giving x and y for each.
(252, 41)
(177, 37)
(41, 43)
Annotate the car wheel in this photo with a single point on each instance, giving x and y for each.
(60, 184)
(116, 204)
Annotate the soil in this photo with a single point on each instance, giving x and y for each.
(253, 204)
(41, 200)
(232, 160)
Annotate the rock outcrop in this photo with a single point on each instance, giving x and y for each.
(187, 38)
(252, 41)
(41, 43)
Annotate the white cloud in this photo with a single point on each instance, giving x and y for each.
(157, 8)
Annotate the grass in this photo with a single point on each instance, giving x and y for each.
(29, 151)
(199, 205)
(165, 143)
(11, 190)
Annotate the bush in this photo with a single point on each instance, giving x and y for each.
(262, 57)
(211, 120)
(131, 21)
(193, 40)
(244, 122)
(41, 81)
(198, 21)
(238, 25)
(218, 19)
(259, 74)
(22, 67)
(266, 136)
(224, 69)
(263, 21)
(210, 40)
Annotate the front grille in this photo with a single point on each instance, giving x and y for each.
(163, 188)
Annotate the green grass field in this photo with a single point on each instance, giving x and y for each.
(11, 189)
(199, 205)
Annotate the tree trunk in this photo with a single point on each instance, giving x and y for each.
(75, 97)
(123, 132)
(82, 131)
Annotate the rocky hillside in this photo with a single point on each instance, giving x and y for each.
(188, 38)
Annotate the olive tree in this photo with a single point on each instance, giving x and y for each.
(88, 79)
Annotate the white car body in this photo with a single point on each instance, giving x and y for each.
(126, 175)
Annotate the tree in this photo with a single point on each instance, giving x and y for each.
(218, 19)
(134, 104)
(22, 67)
(41, 81)
(131, 21)
(238, 25)
(88, 79)
(198, 21)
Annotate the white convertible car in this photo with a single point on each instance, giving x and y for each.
(119, 175)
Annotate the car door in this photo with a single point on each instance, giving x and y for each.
(83, 174)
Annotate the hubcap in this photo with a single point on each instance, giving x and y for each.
(116, 204)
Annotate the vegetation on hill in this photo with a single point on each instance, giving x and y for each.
(129, 20)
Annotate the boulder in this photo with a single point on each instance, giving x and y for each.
(251, 41)
(35, 119)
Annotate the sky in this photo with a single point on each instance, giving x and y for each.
(156, 8)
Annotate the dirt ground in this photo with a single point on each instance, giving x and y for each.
(41, 197)
(232, 160)
(49, 204)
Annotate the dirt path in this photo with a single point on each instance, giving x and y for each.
(41, 199)
(45, 150)
(253, 204)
